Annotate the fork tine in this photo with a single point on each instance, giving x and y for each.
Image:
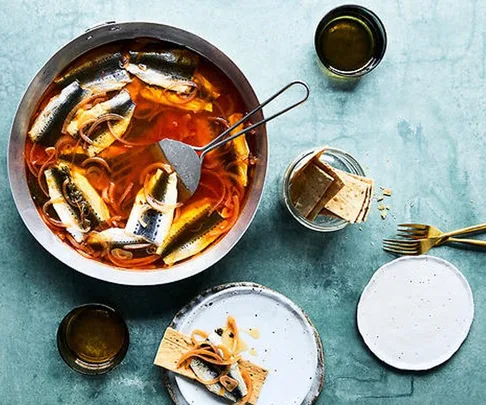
(413, 226)
(401, 252)
(402, 246)
(402, 242)
(410, 234)
(399, 249)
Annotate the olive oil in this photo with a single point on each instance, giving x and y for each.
(347, 44)
(350, 41)
(93, 339)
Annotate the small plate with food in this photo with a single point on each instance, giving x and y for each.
(241, 343)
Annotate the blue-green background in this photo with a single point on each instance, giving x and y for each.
(416, 124)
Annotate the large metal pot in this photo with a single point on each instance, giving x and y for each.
(93, 38)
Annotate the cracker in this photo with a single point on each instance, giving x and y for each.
(332, 190)
(369, 195)
(308, 188)
(175, 344)
(348, 202)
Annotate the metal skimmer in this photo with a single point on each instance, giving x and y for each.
(187, 160)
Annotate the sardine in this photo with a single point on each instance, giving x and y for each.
(238, 152)
(172, 69)
(159, 95)
(115, 105)
(47, 126)
(209, 372)
(102, 74)
(241, 390)
(192, 232)
(102, 136)
(82, 209)
(116, 238)
(148, 223)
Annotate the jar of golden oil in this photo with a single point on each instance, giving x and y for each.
(350, 41)
(92, 339)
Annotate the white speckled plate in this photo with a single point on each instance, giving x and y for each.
(289, 345)
(415, 312)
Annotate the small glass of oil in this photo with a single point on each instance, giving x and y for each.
(350, 41)
(92, 339)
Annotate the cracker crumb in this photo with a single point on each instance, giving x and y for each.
(381, 207)
(384, 214)
(387, 192)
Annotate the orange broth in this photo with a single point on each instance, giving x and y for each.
(128, 161)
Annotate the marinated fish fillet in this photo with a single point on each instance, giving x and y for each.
(102, 136)
(206, 371)
(116, 238)
(46, 129)
(191, 233)
(148, 223)
(76, 202)
(239, 152)
(241, 390)
(172, 69)
(101, 74)
(115, 105)
(159, 95)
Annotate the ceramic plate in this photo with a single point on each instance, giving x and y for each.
(415, 312)
(288, 346)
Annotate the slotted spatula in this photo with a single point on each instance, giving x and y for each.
(187, 160)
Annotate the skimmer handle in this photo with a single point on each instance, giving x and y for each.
(218, 141)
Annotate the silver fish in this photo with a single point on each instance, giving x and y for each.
(101, 74)
(172, 69)
(78, 205)
(102, 137)
(148, 223)
(208, 372)
(115, 105)
(117, 238)
(46, 129)
(241, 390)
(191, 233)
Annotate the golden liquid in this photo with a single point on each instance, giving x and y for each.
(347, 44)
(95, 335)
(253, 332)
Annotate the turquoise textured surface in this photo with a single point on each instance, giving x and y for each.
(416, 124)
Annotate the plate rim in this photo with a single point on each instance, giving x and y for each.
(315, 389)
(445, 358)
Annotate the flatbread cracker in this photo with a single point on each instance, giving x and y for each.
(347, 203)
(332, 190)
(308, 188)
(369, 194)
(175, 344)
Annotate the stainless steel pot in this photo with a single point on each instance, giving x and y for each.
(94, 38)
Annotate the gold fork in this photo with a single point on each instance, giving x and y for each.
(415, 247)
(422, 231)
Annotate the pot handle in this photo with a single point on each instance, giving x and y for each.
(100, 25)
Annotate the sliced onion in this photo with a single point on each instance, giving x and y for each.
(78, 106)
(167, 168)
(98, 161)
(137, 246)
(121, 254)
(49, 219)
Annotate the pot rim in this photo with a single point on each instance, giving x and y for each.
(89, 40)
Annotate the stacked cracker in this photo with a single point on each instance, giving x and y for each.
(319, 189)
